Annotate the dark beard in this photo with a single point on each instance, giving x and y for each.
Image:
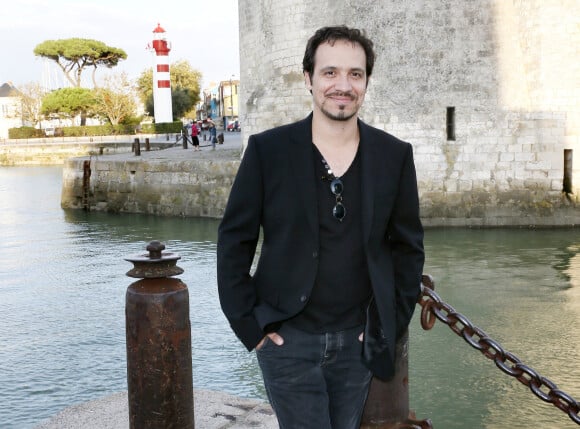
(340, 116)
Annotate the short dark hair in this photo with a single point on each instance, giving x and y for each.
(331, 35)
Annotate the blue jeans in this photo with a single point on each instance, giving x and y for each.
(315, 381)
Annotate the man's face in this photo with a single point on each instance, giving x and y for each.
(339, 81)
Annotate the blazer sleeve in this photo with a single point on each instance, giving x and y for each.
(238, 235)
(406, 237)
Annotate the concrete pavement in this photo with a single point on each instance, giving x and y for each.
(212, 410)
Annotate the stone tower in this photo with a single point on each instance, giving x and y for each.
(488, 93)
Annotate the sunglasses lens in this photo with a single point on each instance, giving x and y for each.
(339, 211)
(336, 187)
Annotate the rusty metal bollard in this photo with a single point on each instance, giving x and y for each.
(387, 405)
(158, 329)
(147, 144)
(86, 185)
(388, 401)
(137, 147)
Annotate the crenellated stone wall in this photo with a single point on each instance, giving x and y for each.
(488, 93)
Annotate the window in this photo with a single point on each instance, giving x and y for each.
(451, 123)
(567, 185)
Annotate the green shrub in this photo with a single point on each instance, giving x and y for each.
(163, 128)
(98, 130)
(25, 133)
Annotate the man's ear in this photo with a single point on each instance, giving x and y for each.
(308, 81)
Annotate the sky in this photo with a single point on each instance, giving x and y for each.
(204, 33)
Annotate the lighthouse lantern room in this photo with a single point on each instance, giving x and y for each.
(161, 80)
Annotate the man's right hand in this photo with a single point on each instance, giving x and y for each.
(274, 337)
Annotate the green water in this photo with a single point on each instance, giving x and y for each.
(62, 292)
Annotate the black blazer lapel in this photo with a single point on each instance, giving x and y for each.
(300, 156)
(368, 158)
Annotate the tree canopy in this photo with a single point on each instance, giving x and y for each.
(116, 99)
(74, 55)
(185, 82)
(68, 103)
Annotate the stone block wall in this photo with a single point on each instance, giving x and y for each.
(190, 188)
(509, 70)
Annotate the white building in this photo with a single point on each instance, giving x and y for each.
(10, 107)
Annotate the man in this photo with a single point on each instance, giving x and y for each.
(340, 265)
(212, 131)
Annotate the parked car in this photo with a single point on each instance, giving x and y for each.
(49, 131)
(234, 126)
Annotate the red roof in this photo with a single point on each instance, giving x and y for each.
(159, 29)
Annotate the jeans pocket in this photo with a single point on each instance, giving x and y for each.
(266, 342)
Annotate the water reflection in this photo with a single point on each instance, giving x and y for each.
(572, 272)
(513, 284)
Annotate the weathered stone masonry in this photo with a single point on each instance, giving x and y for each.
(189, 188)
(488, 93)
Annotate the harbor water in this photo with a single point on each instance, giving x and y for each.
(62, 321)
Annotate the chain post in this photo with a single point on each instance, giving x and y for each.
(159, 365)
(387, 405)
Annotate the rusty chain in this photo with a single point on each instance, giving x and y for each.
(433, 308)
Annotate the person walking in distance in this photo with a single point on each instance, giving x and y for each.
(339, 270)
(212, 130)
(195, 136)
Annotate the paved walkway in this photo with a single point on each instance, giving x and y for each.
(212, 410)
(231, 149)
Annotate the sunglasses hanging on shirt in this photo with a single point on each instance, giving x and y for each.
(336, 187)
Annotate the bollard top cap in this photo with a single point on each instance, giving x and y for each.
(155, 249)
(154, 264)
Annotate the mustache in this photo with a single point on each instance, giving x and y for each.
(341, 94)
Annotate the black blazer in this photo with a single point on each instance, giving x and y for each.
(274, 191)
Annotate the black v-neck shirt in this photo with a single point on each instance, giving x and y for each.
(342, 288)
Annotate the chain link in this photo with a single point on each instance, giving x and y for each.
(433, 308)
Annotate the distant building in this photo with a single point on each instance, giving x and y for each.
(221, 102)
(210, 103)
(10, 109)
(229, 93)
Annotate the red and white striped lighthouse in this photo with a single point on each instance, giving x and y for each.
(161, 81)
